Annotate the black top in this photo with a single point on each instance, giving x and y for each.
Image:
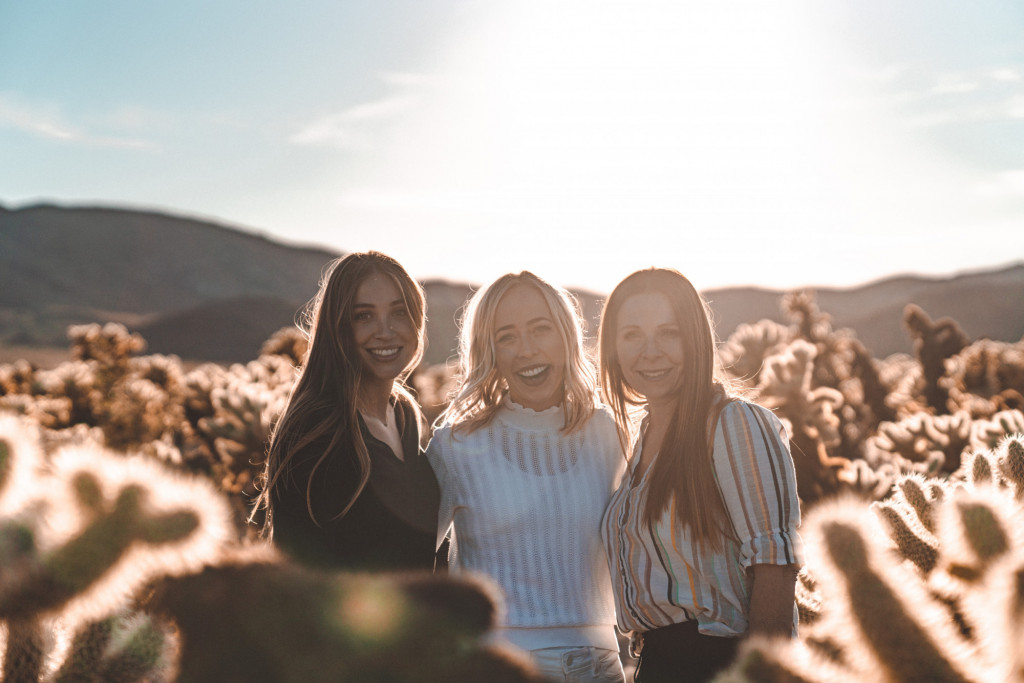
(391, 525)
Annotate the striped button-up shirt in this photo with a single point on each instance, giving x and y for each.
(661, 576)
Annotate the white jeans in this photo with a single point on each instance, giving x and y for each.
(578, 665)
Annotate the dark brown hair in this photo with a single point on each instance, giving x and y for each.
(323, 403)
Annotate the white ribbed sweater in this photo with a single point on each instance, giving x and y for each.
(525, 501)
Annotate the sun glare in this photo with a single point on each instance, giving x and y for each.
(584, 140)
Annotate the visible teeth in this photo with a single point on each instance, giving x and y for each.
(534, 372)
(384, 353)
(653, 375)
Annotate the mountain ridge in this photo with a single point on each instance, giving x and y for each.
(205, 290)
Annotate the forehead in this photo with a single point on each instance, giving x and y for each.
(646, 309)
(378, 289)
(519, 305)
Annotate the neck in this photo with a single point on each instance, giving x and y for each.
(661, 412)
(659, 416)
(374, 399)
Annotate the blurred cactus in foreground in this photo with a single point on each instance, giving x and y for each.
(81, 530)
(928, 586)
(269, 621)
(118, 569)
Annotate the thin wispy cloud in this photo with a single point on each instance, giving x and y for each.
(954, 85)
(930, 99)
(33, 119)
(352, 128)
(1003, 184)
(45, 121)
(1010, 74)
(408, 79)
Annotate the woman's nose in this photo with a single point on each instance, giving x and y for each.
(651, 348)
(526, 348)
(385, 326)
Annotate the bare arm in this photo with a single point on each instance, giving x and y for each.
(771, 600)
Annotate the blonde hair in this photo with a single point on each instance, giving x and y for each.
(481, 387)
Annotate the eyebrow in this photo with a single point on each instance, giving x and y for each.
(396, 302)
(538, 319)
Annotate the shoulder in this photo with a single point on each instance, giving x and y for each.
(603, 413)
(737, 410)
(444, 442)
(743, 423)
(602, 423)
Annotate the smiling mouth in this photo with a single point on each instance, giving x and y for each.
(534, 375)
(653, 374)
(385, 354)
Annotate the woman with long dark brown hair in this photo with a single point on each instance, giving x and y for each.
(345, 483)
(701, 535)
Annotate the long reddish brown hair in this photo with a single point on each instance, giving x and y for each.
(682, 470)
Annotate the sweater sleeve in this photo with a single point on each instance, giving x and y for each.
(436, 455)
(757, 480)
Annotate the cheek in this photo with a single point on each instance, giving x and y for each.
(358, 335)
(556, 352)
(503, 361)
(675, 354)
(626, 354)
(406, 327)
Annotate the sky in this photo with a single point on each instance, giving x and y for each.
(781, 144)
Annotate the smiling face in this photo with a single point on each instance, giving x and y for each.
(382, 329)
(529, 351)
(649, 347)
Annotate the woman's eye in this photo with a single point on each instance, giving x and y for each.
(631, 336)
(670, 333)
(362, 316)
(400, 313)
(504, 338)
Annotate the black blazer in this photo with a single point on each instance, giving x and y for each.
(392, 524)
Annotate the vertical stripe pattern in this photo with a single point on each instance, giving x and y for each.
(525, 503)
(661, 576)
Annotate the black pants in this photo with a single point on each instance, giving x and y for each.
(679, 654)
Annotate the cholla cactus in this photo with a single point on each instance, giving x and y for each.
(786, 388)
(288, 342)
(988, 433)
(17, 378)
(743, 355)
(901, 374)
(80, 532)
(936, 441)
(928, 587)
(934, 342)
(260, 620)
(985, 378)
(110, 345)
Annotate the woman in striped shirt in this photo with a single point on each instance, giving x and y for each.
(701, 534)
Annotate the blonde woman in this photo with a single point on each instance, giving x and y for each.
(702, 534)
(526, 460)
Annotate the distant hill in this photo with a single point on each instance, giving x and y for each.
(206, 291)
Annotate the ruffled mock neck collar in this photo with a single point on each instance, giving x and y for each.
(516, 415)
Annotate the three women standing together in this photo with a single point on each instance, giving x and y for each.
(693, 547)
